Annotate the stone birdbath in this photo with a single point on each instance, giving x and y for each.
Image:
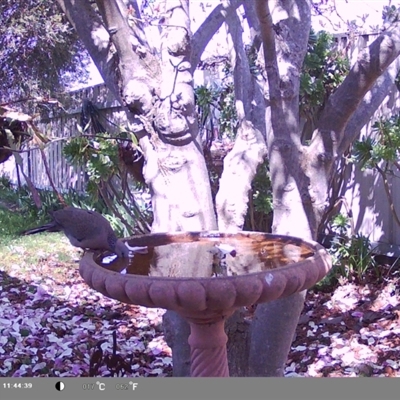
(205, 277)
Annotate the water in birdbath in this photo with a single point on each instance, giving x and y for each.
(210, 257)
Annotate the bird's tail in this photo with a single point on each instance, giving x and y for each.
(50, 227)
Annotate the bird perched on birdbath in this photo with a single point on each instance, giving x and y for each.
(84, 229)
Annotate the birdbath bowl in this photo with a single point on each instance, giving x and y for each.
(205, 277)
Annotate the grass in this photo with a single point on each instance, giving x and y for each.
(16, 215)
(34, 248)
(44, 256)
(13, 221)
(25, 251)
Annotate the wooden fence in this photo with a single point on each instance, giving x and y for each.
(60, 126)
(364, 192)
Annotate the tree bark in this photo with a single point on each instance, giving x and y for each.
(274, 324)
(178, 156)
(159, 100)
(249, 150)
(176, 333)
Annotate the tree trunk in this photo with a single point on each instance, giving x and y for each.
(237, 329)
(273, 323)
(176, 333)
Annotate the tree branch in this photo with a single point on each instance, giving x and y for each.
(138, 69)
(207, 30)
(240, 166)
(330, 138)
(134, 20)
(270, 53)
(251, 18)
(66, 138)
(371, 64)
(371, 102)
(95, 37)
(249, 150)
(241, 72)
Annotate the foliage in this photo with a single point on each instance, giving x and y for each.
(39, 50)
(98, 155)
(365, 153)
(12, 223)
(210, 102)
(217, 119)
(351, 254)
(262, 190)
(13, 217)
(324, 69)
(216, 109)
(228, 120)
(29, 216)
(383, 146)
(11, 196)
(390, 14)
(207, 106)
(5, 182)
(252, 55)
(381, 153)
(259, 213)
(21, 199)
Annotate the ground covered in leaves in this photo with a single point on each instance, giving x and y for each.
(352, 331)
(53, 324)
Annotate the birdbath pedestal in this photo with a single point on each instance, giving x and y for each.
(205, 277)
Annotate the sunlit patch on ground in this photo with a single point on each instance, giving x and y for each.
(354, 331)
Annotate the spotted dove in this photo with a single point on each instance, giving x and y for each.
(85, 229)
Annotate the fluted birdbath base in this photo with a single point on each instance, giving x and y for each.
(207, 341)
(183, 272)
